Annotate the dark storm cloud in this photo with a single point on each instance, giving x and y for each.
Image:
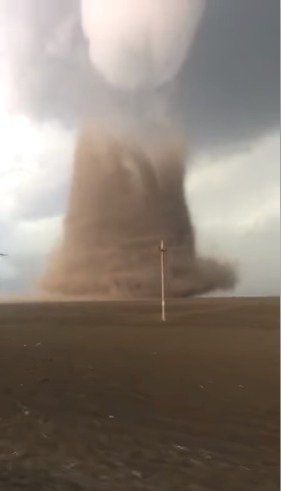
(230, 86)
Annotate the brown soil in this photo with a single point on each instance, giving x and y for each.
(102, 396)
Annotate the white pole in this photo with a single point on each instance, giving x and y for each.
(162, 252)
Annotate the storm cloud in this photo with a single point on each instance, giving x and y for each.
(228, 91)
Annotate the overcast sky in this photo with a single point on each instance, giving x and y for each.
(226, 97)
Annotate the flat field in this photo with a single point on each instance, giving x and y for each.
(103, 396)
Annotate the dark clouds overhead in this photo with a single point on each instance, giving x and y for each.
(232, 81)
(230, 85)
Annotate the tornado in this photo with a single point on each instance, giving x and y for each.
(127, 196)
(127, 192)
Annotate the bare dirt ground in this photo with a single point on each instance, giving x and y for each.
(102, 396)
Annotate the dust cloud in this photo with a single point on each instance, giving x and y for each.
(127, 195)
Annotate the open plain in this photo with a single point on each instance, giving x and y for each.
(103, 396)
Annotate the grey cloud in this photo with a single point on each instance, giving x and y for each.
(27, 269)
(232, 80)
(48, 201)
(6, 231)
(258, 250)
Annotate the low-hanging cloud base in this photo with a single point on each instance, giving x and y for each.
(126, 197)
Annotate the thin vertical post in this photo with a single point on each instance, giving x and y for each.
(162, 260)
